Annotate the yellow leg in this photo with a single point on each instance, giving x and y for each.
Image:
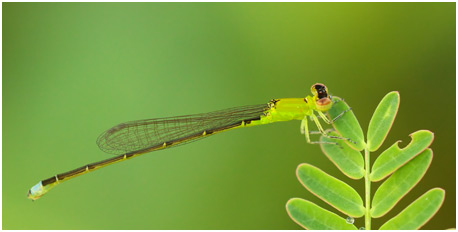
(318, 124)
(305, 130)
(324, 117)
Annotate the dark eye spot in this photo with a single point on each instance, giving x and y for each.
(321, 90)
(319, 87)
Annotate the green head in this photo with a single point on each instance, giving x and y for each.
(321, 97)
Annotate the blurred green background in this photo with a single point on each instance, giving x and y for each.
(73, 70)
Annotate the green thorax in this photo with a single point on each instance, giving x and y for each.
(286, 109)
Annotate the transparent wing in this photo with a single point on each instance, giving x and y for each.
(142, 134)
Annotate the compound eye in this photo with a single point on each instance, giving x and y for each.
(319, 90)
(319, 86)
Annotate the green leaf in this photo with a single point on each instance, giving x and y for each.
(348, 160)
(418, 213)
(313, 217)
(331, 190)
(347, 125)
(382, 120)
(400, 183)
(394, 157)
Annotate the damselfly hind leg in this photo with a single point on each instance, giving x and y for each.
(314, 118)
(329, 121)
(331, 136)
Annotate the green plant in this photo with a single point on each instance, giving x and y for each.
(405, 166)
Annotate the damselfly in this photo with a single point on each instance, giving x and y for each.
(135, 138)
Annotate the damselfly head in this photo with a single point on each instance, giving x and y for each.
(320, 91)
(323, 100)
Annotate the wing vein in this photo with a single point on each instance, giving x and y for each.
(139, 135)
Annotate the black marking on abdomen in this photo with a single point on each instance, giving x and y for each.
(71, 173)
(48, 181)
(129, 155)
(104, 162)
(96, 165)
(248, 121)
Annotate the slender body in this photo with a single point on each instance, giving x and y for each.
(132, 139)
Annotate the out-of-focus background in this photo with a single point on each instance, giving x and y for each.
(73, 70)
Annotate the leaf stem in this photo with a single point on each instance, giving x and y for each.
(367, 159)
